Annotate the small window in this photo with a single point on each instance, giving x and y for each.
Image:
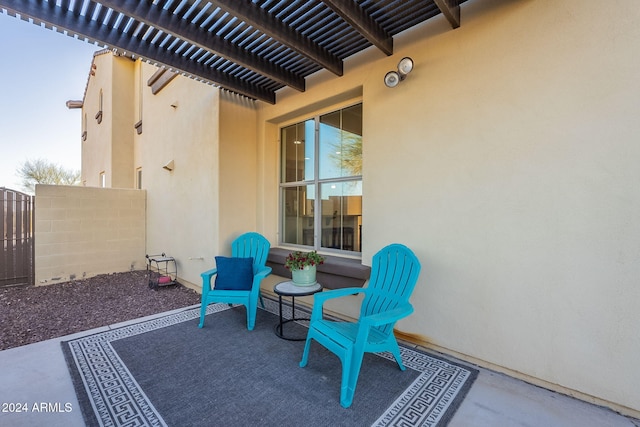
(84, 127)
(99, 113)
(138, 125)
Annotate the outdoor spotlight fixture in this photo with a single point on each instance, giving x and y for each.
(392, 78)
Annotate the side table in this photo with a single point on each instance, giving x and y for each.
(288, 289)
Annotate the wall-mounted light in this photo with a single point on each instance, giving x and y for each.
(392, 78)
(169, 166)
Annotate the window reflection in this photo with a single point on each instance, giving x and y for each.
(341, 207)
(341, 143)
(298, 216)
(298, 152)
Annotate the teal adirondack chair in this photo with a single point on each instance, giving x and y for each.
(394, 273)
(249, 245)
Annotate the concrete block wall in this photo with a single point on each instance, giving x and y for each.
(86, 231)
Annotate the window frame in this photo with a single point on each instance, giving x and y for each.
(316, 182)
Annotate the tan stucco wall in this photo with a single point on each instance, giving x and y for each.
(96, 149)
(182, 204)
(82, 232)
(109, 144)
(123, 118)
(198, 208)
(237, 169)
(508, 161)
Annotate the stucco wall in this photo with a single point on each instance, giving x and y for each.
(182, 204)
(122, 120)
(82, 232)
(96, 148)
(108, 146)
(199, 207)
(508, 161)
(237, 170)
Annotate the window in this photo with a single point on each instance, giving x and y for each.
(99, 113)
(84, 127)
(138, 125)
(321, 181)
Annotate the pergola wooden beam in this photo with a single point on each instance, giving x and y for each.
(258, 18)
(451, 10)
(356, 17)
(169, 23)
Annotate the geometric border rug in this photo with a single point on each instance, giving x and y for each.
(110, 395)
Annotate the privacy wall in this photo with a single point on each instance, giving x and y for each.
(82, 232)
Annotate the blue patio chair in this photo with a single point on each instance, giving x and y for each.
(238, 278)
(394, 273)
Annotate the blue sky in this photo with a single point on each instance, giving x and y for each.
(40, 71)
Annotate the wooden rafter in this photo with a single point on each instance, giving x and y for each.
(355, 16)
(451, 10)
(170, 23)
(250, 47)
(258, 18)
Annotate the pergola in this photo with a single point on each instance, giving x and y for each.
(253, 48)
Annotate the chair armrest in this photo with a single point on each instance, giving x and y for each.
(320, 298)
(209, 273)
(206, 279)
(264, 272)
(257, 278)
(387, 317)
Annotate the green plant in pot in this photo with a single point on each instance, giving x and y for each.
(303, 267)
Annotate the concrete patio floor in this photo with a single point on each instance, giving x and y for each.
(37, 374)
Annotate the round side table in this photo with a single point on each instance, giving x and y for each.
(288, 289)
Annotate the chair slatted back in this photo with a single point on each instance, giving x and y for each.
(394, 273)
(251, 245)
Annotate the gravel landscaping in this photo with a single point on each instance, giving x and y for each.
(37, 313)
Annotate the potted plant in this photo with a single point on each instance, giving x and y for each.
(303, 267)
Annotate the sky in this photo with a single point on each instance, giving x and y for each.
(40, 70)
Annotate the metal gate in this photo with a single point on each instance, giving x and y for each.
(16, 230)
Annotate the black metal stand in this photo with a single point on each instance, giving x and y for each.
(289, 290)
(165, 266)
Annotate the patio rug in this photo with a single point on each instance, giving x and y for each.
(169, 372)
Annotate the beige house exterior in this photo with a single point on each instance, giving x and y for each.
(507, 160)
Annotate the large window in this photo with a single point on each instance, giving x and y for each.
(321, 181)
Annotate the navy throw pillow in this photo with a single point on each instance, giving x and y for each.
(234, 273)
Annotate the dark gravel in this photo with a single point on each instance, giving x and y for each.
(37, 313)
